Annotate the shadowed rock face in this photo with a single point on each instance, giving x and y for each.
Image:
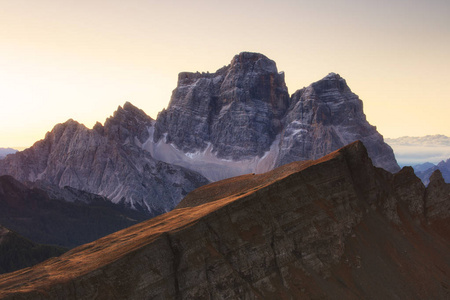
(336, 228)
(241, 120)
(238, 109)
(106, 160)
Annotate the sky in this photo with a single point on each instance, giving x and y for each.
(82, 59)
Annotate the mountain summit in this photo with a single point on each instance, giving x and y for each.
(241, 119)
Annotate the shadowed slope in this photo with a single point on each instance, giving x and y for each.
(43, 215)
(17, 252)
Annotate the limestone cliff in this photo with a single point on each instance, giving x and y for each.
(241, 119)
(106, 160)
(326, 116)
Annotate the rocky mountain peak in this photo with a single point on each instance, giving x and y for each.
(108, 160)
(436, 178)
(237, 110)
(128, 121)
(59, 129)
(332, 81)
(242, 114)
(250, 61)
(326, 116)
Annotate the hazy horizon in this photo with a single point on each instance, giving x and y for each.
(82, 60)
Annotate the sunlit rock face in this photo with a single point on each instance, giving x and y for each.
(326, 116)
(106, 160)
(241, 120)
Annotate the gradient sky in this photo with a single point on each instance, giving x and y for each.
(81, 59)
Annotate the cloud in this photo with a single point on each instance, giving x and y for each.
(417, 154)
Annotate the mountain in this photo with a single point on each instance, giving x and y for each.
(235, 121)
(45, 216)
(443, 167)
(241, 119)
(17, 252)
(411, 151)
(6, 151)
(327, 116)
(423, 167)
(106, 160)
(336, 227)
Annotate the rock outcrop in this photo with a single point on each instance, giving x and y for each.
(237, 110)
(106, 160)
(326, 116)
(241, 119)
(437, 200)
(336, 227)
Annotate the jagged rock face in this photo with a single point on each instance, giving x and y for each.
(107, 160)
(240, 120)
(326, 116)
(237, 110)
(437, 201)
(307, 230)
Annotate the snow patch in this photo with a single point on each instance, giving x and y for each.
(207, 163)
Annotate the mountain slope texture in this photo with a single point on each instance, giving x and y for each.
(106, 160)
(334, 228)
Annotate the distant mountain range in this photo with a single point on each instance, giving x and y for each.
(425, 173)
(426, 154)
(240, 119)
(411, 151)
(6, 151)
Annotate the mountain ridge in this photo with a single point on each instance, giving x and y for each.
(238, 120)
(106, 160)
(324, 228)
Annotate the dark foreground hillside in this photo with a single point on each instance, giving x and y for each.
(334, 228)
(17, 252)
(44, 216)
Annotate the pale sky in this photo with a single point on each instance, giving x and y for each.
(82, 59)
